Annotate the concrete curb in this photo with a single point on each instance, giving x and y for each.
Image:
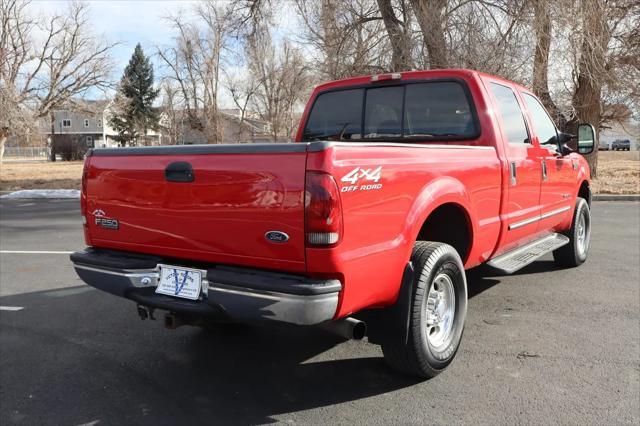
(616, 197)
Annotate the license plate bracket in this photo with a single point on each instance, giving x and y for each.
(176, 281)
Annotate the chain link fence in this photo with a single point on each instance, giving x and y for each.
(35, 153)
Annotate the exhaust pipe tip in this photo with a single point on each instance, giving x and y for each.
(359, 330)
(349, 328)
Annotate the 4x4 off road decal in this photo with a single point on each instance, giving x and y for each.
(359, 178)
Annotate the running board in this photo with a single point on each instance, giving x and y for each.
(513, 260)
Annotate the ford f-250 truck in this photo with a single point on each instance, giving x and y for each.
(397, 184)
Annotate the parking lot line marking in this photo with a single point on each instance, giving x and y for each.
(33, 252)
(11, 308)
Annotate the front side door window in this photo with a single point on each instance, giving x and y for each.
(558, 176)
(523, 209)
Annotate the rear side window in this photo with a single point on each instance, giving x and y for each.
(542, 124)
(336, 113)
(437, 110)
(513, 121)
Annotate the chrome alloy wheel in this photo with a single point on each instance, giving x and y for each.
(441, 308)
(582, 239)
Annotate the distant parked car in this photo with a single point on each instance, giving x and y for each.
(621, 144)
(603, 146)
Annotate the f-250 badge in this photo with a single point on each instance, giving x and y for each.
(105, 222)
(357, 176)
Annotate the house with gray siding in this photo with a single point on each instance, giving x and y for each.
(73, 131)
(85, 126)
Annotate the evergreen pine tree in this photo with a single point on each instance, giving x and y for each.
(133, 114)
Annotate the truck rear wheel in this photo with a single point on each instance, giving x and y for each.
(437, 312)
(575, 253)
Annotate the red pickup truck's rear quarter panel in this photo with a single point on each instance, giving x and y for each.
(380, 226)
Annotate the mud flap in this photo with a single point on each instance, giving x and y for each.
(392, 323)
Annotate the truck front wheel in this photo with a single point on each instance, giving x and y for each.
(575, 252)
(437, 312)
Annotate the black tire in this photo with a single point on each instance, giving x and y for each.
(575, 253)
(419, 357)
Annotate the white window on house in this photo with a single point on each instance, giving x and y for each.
(89, 141)
(86, 123)
(99, 123)
(66, 123)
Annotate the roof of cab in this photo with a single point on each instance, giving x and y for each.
(412, 75)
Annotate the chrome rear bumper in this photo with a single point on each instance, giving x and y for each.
(244, 295)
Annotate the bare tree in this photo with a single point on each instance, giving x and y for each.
(606, 62)
(38, 76)
(248, 16)
(282, 82)
(488, 35)
(399, 35)
(242, 87)
(170, 116)
(540, 83)
(349, 36)
(193, 63)
(431, 16)
(621, 92)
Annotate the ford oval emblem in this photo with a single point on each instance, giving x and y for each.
(276, 237)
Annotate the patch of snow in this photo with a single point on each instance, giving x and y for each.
(43, 193)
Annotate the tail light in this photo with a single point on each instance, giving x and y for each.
(83, 191)
(323, 212)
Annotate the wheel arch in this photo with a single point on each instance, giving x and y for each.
(449, 223)
(585, 191)
(444, 195)
(442, 212)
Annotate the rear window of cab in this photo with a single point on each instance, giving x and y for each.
(437, 110)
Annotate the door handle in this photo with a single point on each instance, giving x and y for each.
(512, 173)
(544, 170)
(179, 171)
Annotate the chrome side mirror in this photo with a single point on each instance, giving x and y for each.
(586, 138)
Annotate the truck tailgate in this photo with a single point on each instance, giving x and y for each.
(237, 195)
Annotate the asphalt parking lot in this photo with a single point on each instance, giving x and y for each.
(544, 346)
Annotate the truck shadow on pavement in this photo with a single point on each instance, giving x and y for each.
(75, 357)
(78, 355)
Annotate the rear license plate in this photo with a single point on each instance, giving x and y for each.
(179, 282)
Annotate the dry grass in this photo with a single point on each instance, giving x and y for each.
(16, 175)
(618, 173)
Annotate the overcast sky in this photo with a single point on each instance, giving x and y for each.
(132, 22)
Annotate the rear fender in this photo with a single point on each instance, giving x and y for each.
(444, 190)
(392, 323)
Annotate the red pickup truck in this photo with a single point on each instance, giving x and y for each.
(397, 184)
